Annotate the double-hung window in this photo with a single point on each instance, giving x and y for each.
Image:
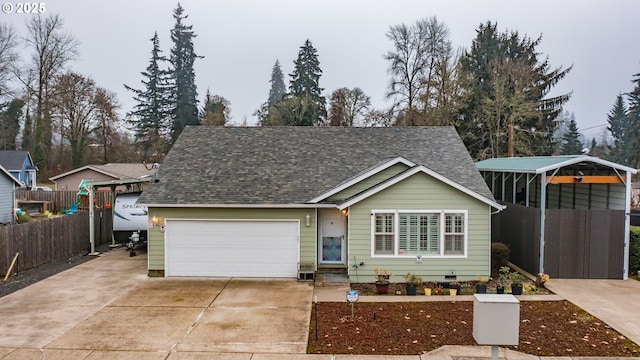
(384, 234)
(426, 233)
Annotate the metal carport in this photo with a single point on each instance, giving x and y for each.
(587, 185)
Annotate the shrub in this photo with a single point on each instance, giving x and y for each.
(634, 250)
(499, 256)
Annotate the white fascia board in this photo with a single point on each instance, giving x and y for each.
(400, 177)
(244, 206)
(362, 177)
(580, 159)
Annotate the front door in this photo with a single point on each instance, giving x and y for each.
(332, 246)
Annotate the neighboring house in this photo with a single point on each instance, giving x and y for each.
(270, 201)
(7, 196)
(20, 166)
(567, 216)
(70, 181)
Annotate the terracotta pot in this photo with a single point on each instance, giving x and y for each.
(382, 289)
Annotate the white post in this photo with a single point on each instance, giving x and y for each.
(91, 222)
(543, 211)
(627, 220)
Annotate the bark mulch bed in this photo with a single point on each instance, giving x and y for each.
(547, 328)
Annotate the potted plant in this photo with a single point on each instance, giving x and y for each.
(516, 283)
(454, 288)
(481, 285)
(413, 281)
(502, 279)
(382, 281)
(541, 279)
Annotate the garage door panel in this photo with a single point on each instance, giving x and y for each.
(232, 248)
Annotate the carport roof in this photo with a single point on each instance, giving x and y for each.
(540, 164)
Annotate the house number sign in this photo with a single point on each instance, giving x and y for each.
(352, 296)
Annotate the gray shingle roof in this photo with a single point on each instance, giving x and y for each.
(13, 160)
(292, 165)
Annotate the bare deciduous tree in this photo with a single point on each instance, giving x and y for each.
(418, 50)
(348, 107)
(8, 57)
(52, 49)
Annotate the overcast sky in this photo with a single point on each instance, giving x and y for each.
(241, 40)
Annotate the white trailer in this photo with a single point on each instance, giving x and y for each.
(129, 217)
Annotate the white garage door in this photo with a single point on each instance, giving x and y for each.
(231, 248)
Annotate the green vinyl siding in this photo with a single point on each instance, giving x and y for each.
(369, 182)
(307, 234)
(420, 192)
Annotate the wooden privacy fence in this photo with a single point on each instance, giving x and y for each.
(579, 244)
(62, 199)
(49, 240)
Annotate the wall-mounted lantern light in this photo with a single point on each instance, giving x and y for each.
(307, 220)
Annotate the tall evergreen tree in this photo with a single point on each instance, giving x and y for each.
(526, 79)
(632, 131)
(277, 93)
(617, 120)
(10, 124)
(571, 144)
(304, 86)
(184, 92)
(278, 88)
(151, 117)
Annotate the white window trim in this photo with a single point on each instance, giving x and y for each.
(396, 235)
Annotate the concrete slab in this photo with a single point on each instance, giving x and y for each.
(173, 292)
(451, 352)
(209, 355)
(127, 355)
(298, 357)
(6, 351)
(377, 357)
(260, 330)
(39, 354)
(130, 328)
(35, 327)
(613, 301)
(265, 293)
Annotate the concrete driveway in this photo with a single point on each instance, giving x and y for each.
(616, 302)
(108, 308)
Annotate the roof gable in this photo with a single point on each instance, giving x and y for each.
(415, 170)
(240, 166)
(114, 170)
(9, 176)
(15, 160)
(360, 177)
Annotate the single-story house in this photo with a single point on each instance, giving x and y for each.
(8, 184)
(567, 216)
(273, 201)
(70, 181)
(20, 165)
